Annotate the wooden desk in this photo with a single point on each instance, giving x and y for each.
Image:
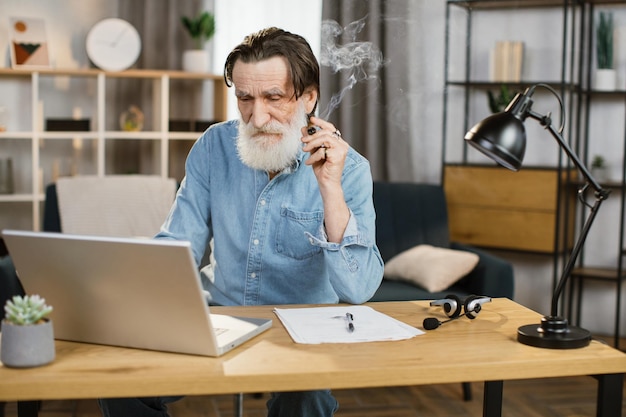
(484, 349)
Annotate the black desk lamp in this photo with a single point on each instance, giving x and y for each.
(502, 137)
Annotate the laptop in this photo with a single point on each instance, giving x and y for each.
(137, 293)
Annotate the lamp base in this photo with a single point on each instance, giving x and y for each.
(553, 333)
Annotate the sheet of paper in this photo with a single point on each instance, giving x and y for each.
(314, 325)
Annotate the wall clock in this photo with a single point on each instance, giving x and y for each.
(113, 44)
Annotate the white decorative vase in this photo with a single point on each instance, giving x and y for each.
(606, 80)
(196, 60)
(27, 346)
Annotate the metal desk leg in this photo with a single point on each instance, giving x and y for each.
(238, 404)
(610, 393)
(28, 408)
(492, 400)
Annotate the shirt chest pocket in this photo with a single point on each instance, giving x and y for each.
(291, 239)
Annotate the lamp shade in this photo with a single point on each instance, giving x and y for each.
(502, 137)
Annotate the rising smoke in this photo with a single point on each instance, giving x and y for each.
(359, 60)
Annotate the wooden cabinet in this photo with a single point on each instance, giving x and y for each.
(495, 208)
(39, 155)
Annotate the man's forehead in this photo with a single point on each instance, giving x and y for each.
(267, 75)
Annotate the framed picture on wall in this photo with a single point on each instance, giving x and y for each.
(29, 45)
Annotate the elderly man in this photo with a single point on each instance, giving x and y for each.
(285, 199)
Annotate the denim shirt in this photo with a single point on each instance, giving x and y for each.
(269, 243)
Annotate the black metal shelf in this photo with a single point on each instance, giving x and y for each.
(511, 4)
(575, 83)
(526, 4)
(584, 272)
(491, 84)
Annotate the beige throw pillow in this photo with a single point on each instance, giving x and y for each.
(432, 268)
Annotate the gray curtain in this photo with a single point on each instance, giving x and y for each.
(394, 118)
(158, 22)
(163, 42)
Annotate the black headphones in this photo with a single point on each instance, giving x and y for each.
(453, 305)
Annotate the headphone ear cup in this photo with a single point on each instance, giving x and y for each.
(472, 307)
(452, 306)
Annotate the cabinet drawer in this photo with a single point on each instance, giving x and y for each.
(497, 208)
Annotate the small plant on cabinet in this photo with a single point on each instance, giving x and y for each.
(599, 168)
(598, 162)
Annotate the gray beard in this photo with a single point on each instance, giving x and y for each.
(266, 152)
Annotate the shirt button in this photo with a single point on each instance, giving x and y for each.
(253, 275)
(263, 202)
(255, 241)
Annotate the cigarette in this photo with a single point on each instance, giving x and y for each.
(312, 129)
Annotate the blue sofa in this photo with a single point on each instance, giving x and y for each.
(410, 214)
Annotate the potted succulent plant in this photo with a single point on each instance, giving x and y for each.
(27, 333)
(605, 73)
(201, 29)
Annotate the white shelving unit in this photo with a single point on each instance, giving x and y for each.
(41, 156)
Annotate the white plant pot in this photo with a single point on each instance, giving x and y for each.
(606, 80)
(196, 60)
(27, 346)
(600, 174)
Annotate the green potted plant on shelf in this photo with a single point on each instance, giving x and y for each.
(498, 103)
(27, 333)
(599, 168)
(201, 28)
(605, 73)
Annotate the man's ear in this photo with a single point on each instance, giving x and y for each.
(310, 100)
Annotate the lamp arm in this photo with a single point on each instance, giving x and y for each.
(567, 270)
(545, 121)
(600, 193)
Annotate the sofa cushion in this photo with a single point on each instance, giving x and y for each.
(430, 267)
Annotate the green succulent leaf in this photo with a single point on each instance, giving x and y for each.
(29, 309)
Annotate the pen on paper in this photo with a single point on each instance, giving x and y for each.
(350, 319)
